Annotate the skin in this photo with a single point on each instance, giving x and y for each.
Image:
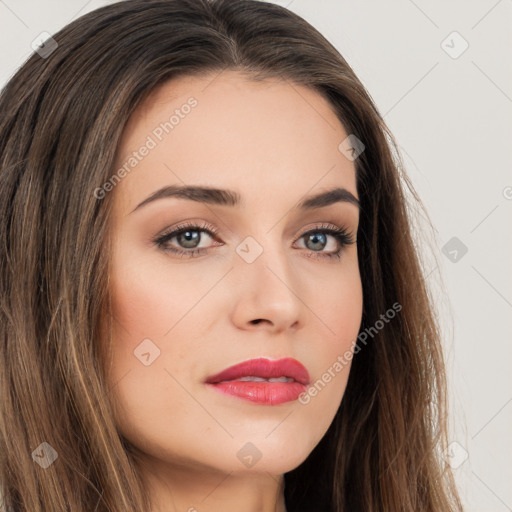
(274, 144)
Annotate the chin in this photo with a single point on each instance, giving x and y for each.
(276, 456)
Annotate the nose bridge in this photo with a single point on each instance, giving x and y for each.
(267, 280)
(264, 255)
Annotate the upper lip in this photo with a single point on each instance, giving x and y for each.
(264, 368)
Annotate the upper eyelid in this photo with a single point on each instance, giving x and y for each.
(324, 226)
(213, 232)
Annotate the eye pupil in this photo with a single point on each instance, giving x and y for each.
(316, 237)
(190, 238)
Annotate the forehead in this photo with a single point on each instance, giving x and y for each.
(225, 130)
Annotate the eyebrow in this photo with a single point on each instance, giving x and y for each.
(224, 197)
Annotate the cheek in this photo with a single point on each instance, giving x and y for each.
(338, 306)
(346, 317)
(146, 306)
(150, 296)
(341, 310)
(157, 309)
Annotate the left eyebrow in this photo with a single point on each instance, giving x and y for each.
(225, 197)
(336, 195)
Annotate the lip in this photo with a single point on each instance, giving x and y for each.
(263, 392)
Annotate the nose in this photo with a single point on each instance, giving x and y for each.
(266, 293)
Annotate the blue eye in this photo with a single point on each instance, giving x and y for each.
(189, 236)
(319, 236)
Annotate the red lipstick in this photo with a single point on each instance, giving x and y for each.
(263, 381)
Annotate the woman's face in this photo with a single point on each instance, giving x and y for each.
(246, 283)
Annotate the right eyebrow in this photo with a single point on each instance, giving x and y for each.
(195, 193)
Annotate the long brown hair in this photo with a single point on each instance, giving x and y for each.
(61, 119)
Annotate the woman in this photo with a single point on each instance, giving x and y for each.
(211, 299)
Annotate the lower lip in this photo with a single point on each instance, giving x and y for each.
(267, 393)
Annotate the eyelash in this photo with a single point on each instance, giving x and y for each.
(340, 234)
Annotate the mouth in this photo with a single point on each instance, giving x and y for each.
(262, 381)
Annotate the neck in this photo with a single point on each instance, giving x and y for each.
(174, 488)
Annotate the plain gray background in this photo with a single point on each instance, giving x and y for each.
(450, 111)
